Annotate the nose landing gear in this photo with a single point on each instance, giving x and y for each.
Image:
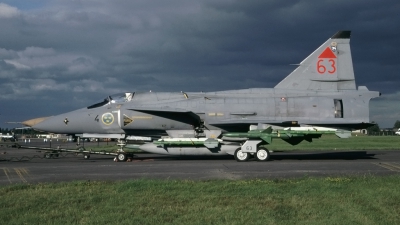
(122, 155)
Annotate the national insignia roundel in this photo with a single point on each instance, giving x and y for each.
(107, 118)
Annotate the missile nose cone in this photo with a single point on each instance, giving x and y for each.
(33, 122)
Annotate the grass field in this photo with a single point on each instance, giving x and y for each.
(332, 200)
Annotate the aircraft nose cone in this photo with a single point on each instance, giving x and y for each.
(33, 122)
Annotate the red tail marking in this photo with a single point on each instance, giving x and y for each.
(327, 54)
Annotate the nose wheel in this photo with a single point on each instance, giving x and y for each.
(121, 157)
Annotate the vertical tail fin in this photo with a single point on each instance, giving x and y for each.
(330, 67)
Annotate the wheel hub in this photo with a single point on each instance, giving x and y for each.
(242, 155)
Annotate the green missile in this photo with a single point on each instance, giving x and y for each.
(268, 134)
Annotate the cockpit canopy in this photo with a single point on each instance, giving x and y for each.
(119, 98)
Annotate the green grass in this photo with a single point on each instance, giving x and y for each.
(331, 142)
(332, 200)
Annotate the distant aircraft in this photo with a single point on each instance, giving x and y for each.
(8, 137)
(320, 92)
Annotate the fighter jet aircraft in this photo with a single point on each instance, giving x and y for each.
(321, 92)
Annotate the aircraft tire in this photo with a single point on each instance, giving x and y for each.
(121, 157)
(262, 154)
(241, 156)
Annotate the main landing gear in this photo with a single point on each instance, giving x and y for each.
(262, 154)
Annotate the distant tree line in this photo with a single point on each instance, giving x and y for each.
(5, 130)
(397, 124)
(376, 128)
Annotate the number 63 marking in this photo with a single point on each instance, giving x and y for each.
(322, 69)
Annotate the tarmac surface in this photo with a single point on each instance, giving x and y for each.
(29, 166)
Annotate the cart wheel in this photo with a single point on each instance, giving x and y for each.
(262, 154)
(241, 156)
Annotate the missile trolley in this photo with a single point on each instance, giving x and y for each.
(241, 145)
(255, 140)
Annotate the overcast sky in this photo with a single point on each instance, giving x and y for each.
(61, 55)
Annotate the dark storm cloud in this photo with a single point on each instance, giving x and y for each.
(80, 51)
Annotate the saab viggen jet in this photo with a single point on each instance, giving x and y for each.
(320, 92)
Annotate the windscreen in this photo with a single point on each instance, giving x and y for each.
(119, 98)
